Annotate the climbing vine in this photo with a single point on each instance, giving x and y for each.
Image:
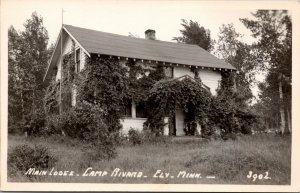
(51, 97)
(107, 83)
(104, 83)
(187, 94)
(141, 78)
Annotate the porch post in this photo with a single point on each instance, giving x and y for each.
(133, 110)
(198, 128)
(166, 127)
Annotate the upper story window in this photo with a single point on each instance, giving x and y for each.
(77, 60)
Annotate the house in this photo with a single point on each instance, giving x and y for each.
(178, 59)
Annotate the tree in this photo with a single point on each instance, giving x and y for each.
(193, 33)
(273, 30)
(15, 99)
(230, 48)
(28, 56)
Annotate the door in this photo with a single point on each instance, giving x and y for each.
(179, 120)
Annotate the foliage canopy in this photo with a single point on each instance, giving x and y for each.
(193, 33)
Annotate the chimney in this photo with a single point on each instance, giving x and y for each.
(150, 34)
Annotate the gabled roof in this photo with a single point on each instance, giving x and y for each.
(183, 77)
(97, 42)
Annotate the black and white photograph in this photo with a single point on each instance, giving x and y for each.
(151, 94)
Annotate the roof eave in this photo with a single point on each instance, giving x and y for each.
(51, 59)
(56, 47)
(166, 62)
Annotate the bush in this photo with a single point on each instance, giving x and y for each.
(32, 123)
(85, 122)
(101, 144)
(23, 157)
(226, 114)
(54, 125)
(79, 122)
(135, 137)
(16, 128)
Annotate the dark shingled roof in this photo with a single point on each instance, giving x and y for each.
(124, 46)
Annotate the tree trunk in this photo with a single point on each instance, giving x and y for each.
(289, 120)
(277, 121)
(33, 101)
(22, 105)
(23, 113)
(281, 109)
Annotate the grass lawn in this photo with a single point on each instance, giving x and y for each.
(228, 161)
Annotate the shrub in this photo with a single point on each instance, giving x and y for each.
(101, 144)
(79, 122)
(230, 117)
(23, 157)
(54, 125)
(135, 137)
(33, 123)
(16, 128)
(85, 122)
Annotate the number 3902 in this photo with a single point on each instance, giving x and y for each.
(254, 176)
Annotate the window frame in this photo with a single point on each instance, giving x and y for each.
(77, 60)
(127, 109)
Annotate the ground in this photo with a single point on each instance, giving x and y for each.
(229, 161)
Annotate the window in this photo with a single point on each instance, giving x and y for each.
(141, 110)
(169, 72)
(127, 109)
(77, 60)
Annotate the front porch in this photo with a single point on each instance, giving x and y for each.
(179, 125)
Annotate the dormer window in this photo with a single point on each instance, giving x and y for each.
(77, 60)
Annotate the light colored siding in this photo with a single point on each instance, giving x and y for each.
(82, 60)
(73, 95)
(210, 78)
(181, 71)
(134, 123)
(67, 48)
(58, 71)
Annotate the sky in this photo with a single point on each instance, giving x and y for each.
(125, 17)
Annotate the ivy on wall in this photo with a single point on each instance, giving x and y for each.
(141, 78)
(51, 97)
(186, 94)
(104, 82)
(108, 83)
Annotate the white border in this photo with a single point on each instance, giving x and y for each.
(293, 6)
